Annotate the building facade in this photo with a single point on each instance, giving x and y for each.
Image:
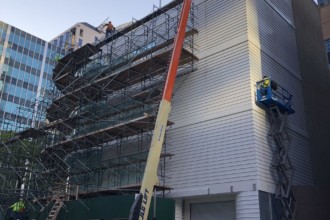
(26, 92)
(26, 66)
(78, 35)
(224, 156)
(223, 153)
(218, 161)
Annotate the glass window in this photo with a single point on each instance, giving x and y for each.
(29, 63)
(16, 40)
(17, 31)
(36, 47)
(13, 55)
(13, 81)
(61, 41)
(16, 65)
(327, 49)
(18, 57)
(80, 42)
(81, 33)
(24, 59)
(28, 36)
(67, 36)
(73, 31)
(26, 44)
(23, 34)
(12, 89)
(32, 46)
(25, 51)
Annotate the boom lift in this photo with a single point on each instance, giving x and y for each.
(277, 101)
(141, 205)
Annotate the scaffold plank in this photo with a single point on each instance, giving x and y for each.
(132, 127)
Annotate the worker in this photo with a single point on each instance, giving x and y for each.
(110, 29)
(18, 209)
(267, 82)
(57, 58)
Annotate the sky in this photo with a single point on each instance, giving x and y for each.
(46, 19)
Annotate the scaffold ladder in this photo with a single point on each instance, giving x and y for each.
(58, 203)
(281, 162)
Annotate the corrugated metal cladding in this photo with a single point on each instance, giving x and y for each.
(273, 52)
(220, 137)
(284, 8)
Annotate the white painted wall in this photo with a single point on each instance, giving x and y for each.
(220, 137)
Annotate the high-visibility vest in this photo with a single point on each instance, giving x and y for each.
(18, 206)
(266, 83)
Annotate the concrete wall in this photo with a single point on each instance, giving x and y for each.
(316, 85)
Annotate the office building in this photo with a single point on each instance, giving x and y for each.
(78, 35)
(26, 67)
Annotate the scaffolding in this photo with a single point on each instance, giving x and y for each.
(97, 131)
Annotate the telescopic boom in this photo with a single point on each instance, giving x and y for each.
(141, 205)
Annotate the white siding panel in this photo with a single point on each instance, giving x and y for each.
(299, 154)
(220, 137)
(269, 31)
(217, 151)
(284, 78)
(247, 206)
(213, 137)
(274, 54)
(221, 82)
(178, 210)
(284, 8)
(219, 21)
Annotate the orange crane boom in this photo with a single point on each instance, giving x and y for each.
(141, 205)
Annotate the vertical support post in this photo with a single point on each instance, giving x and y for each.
(26, 173)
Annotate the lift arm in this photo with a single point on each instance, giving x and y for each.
(141, 205)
